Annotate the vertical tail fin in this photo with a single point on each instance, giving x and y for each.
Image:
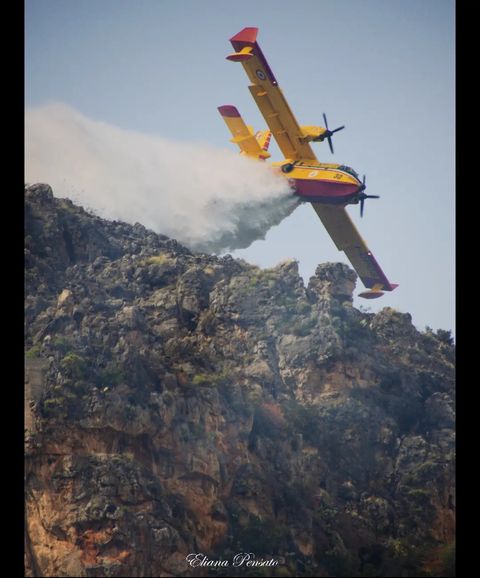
(243, 135)
(263, 138)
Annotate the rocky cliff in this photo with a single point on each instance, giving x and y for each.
(180, 403)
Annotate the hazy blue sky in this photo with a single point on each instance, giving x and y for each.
(383, 68)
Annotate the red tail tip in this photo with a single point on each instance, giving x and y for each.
(228, 110)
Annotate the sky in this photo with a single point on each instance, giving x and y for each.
(384, 69)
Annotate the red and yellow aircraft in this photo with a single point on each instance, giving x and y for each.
(328, 187)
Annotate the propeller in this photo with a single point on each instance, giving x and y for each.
(328, 133)
(362, 196)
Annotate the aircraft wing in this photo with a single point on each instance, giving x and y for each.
(346, 237)
(269, 97)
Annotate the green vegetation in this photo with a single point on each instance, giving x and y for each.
(74, 366)
(419, 495)
(201, 379)
(263, 276)
(68, 206)
(257, 279)
(53, 402)
(33, 352)
(445, 336)
(211, 379)
(418, 503)
(262, 536)
(161, 259)
(212, 436)
(304, 419)
(303, 307)
(447, 561)
(303, 327)
(426, 471)
(234, 398)
(129, 412)
(188, 431)
(61, 343)
(342, 564)
(294, 317)
(63, 398)
(55, 407)
(391, 380)
(110, 376)
(197, 430)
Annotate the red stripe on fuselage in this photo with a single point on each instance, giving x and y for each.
(324, 191)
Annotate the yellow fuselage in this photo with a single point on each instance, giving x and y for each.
(321, 182)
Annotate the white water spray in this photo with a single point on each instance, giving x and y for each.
(209, 199)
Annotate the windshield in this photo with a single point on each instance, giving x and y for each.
(348, 170)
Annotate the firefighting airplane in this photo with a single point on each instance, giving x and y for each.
(328, 187)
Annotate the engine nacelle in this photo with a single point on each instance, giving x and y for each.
(312, 133)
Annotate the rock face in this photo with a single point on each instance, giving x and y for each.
(185, 403)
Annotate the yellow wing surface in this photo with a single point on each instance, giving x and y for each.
(293, 142)
(251, 145)
(346, 237)
(269, 97)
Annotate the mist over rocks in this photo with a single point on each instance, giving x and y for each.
(179, 402)
(209, 199)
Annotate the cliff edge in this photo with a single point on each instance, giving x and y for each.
(179, 403)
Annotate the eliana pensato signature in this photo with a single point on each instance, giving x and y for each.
(243, 559)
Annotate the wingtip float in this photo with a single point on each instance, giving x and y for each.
(329, 187)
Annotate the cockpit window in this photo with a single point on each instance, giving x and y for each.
(348, 170)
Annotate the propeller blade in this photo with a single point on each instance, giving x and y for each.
(328, 133)
(362, 196)
(325, 120)
(330, 144)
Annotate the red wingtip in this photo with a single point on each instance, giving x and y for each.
(245, 35)
(228, 110)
